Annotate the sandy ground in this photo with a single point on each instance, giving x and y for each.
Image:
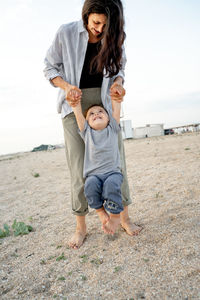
(160, 263)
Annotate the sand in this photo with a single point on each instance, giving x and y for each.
(162, 262)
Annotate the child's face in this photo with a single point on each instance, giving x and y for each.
(97, 117)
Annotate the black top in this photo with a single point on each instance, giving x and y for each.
(89, 80)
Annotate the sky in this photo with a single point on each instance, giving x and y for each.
(162, 72)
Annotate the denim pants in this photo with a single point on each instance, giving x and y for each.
(104, 190)
(74, 150)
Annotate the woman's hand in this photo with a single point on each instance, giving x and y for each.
(117, 92)
(73, 95)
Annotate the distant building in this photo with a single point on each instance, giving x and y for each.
(151, 130)
(187, 128)
(148, 131)
(127, 131)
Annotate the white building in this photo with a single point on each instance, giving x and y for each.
(148, 131)
(187, 128)
(127, 131)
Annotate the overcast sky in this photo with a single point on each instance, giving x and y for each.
(162, 72)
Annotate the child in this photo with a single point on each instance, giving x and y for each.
(102, 173)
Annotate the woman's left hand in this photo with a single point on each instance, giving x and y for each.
(117, 92)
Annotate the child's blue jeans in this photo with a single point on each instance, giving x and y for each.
(104, 190)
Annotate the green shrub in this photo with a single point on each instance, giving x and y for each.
(20, 228)
(4, 232)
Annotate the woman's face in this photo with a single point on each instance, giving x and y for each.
(96, 26)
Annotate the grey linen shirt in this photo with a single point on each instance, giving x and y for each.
(101, 149)
(65, 58)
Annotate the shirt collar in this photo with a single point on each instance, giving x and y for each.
(81, 27)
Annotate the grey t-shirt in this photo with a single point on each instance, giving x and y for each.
(101, 149)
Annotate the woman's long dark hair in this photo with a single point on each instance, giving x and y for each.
(110, 54)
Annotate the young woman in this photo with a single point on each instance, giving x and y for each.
(86, 61)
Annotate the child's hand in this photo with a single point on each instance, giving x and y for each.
(73, 95)
(117, 92)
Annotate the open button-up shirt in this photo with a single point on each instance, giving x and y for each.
(65, 58)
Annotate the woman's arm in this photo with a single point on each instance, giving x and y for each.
(54, 58)
(72, 93)
(73, 96)
(54, 69)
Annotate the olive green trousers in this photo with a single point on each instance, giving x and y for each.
(74, 148)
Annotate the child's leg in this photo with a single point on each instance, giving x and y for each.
(112, 193)
(113, 201)
(93, 191)
(103, 216)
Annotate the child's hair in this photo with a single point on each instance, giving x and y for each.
(86, 111)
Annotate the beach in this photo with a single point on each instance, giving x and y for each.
(162, 262)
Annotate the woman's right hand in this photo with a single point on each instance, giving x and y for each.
(73, 95)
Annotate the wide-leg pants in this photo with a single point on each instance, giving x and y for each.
(75, 148)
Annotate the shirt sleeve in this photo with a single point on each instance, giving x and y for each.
(54, 60)
(113, 124)
(83, 132)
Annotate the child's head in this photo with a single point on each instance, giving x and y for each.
(97, 117)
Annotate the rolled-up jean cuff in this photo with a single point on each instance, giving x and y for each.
(86, 212)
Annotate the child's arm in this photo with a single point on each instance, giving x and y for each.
(80, 119)
(116, 109)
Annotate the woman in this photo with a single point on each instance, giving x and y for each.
(86, 61)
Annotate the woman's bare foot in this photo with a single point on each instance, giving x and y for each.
(79, 236)
(112, 224)
(103, 216)
(127, 224)
(130, 227)
(77, 239)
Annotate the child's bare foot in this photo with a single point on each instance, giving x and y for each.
(130, 227)
(112, 224)
(77, 239)
(103, 216)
